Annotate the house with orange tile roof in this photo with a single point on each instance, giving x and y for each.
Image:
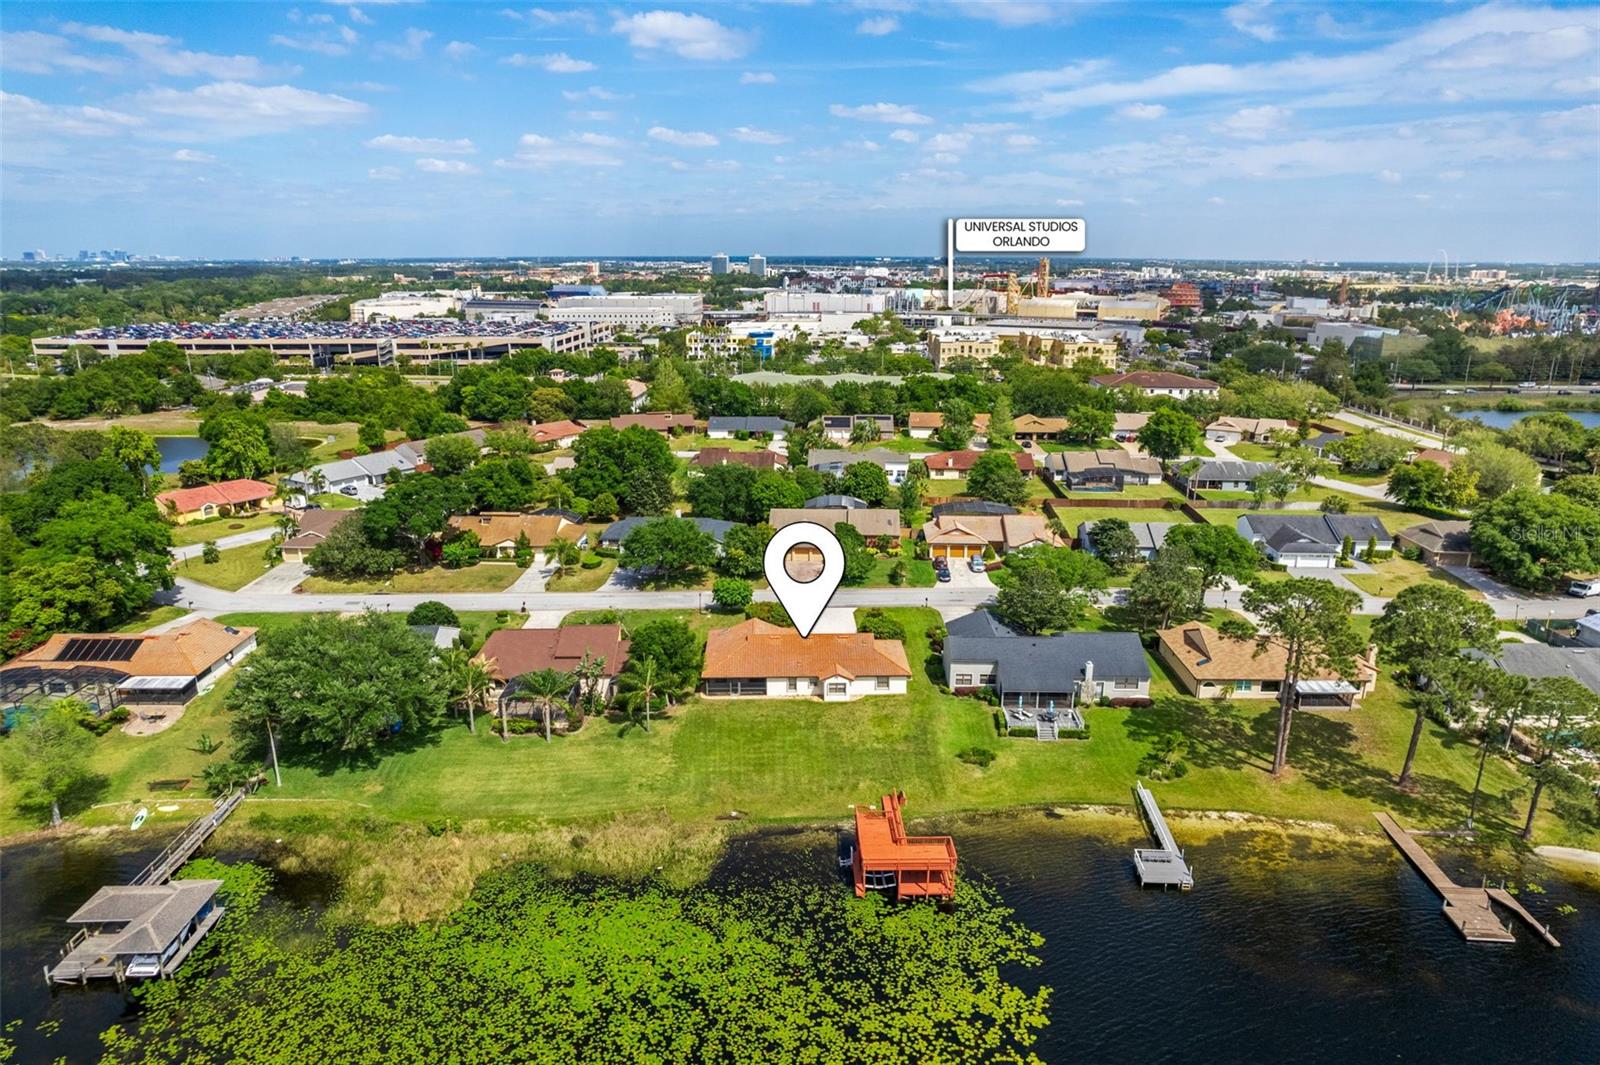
(1210, 665)
(109, 669)
(885, 858)
(1434, 455)
(562, 434)
(222, 499)
(953, 465)
(509, 653)
(756, 658)
(499, 531)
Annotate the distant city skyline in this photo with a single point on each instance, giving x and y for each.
(1246, 131)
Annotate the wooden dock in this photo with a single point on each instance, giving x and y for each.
(1467, 908)
(1164, 864)
(181, 849)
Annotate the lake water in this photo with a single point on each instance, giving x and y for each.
(1289, 949)
(1505, 419)
(176, 450)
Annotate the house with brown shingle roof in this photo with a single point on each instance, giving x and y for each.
(1210, 665)
(509, 653)
(1104, 470)
(755, 658)
(498, 531)
(109, 669)
(1031, 427)
(312, 528)
(966, 535)
(868, 521)
(922, 424)
(724, 456)
(952, 465)
(665, 424)
(222, 499)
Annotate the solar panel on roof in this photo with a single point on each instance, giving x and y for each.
(98, 649)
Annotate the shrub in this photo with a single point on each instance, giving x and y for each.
(978, 756)
(772, 613)
(100, 724)
(209, 554)
(880, 625)
(730, 593)
(591, 563)
(607, 552)
(464, 550)
(432, 612)
(1023, 730)
(897, 574)
(1336, 505)
(987, 694)
(524, 726)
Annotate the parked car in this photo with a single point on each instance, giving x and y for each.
(1584, 589)
(348, 490)
(977, 564)
(1452, 392)
(1470, 391)
(943, 573)
(1529, 384)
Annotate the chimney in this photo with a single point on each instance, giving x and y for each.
(1088, 679)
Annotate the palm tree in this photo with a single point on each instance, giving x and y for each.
(590, 674)
(471, 681)
(544, 688)
(564, 553)
(636, 693)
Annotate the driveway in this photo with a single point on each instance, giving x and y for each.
(531, 580)
(281, 579)
(1491, 588)
(254, 536)
(961, 576)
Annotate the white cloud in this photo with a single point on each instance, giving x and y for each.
(456, 51)
(1250, 18)
(164, 56)
(878, 27)
(593, 92)
(232, 109)
(384, 173)
(905, 136)
(189, 155)
(591, 116)
(422, 145)
(538, 152)
(555, 62)
(1069, 203)
(898, 114)
(1038, 80)
(682, 138)
(311, 43)
(24, 115)
(409, 46)
(686, 36)
(29, 52)
(358, 17)
(1389, 177)
(598, 140)
(1254, 123)
(1142, 112)
(445, 166)
(757, 77)
(1021, 140)
(1215, 201)
(1012, 13)
(757, 136)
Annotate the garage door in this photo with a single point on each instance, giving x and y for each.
(1311, 562)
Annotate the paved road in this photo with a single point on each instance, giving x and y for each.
(254, 536)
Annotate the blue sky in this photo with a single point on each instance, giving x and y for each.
(1256, 129)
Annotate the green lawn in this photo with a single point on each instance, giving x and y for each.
(484, 577)
(583, 580)
(944, 488)
(806, 760)
(699, 442)
(199, 532)
(150, 618)
(1071, 517)
(236, 567)
(335, 501)
(1159, 490)
(1395, 574)
(919, 571)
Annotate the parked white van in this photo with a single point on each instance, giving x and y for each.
(1584, 589)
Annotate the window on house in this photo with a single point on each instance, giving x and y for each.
(881, 683)
(986, 678)
(963, 679)
(837, 687)
(1271, 685)
(794, 684)
(1125, 683)
(1243, 685)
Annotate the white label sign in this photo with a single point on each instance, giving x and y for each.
(1019, 236)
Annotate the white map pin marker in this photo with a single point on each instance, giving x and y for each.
(804, 600)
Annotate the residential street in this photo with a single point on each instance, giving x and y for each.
(254, 536)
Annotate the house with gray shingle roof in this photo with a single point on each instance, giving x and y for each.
(1035, 673)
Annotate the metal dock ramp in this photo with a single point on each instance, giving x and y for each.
(1164, 864)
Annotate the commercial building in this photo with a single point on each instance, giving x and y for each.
(792, 301)
(1184, 295)
(399, 306)
(962, 342)
(719, 264)
(637, 310)
(379, 342)
(1158, 383)
(758, 266)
